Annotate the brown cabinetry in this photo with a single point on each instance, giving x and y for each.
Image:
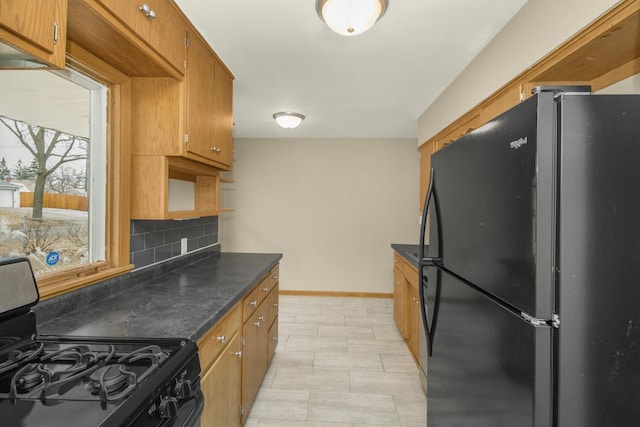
(36, 27)
(254, 364)
(209, 94)
(406, 303)
(260, 332)
(221, 386)
(157, 23)
(235, 354)
(181, 131)
(220, 352)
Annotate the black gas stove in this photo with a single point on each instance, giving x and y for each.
(48, 380)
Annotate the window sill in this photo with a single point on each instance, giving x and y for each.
(53, 284)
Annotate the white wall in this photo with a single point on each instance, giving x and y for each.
(538, 28)
(331, 206)
(629, 85)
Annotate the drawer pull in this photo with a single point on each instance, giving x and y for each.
(237, 353)
(265, 289)
(148, 12)
(257, 324)
(222, 338)
(261, 318)
(275, 338)
(253, 303)
(275, 304)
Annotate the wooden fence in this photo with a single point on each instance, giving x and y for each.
(59, 201)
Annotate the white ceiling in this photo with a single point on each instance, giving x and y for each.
(377, 84)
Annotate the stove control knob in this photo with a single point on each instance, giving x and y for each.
(182, 389)
(168, 407)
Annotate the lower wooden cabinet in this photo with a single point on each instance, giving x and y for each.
(235, 355)
(406, 303)
(255, 361)
(221, 385)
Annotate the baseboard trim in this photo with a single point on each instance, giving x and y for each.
(335, 294)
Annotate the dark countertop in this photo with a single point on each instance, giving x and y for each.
(184, 302)
(406, 252)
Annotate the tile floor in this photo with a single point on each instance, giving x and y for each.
(340, 362)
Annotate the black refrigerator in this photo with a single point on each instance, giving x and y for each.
(531, 279)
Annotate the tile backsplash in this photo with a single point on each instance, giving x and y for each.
(153, 241)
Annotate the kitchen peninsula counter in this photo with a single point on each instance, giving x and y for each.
(182, 298)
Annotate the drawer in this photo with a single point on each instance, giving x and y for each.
(397, 261)
(263, 289)
(411, 274)
(217, 338)
(249, 304)
(274, 276)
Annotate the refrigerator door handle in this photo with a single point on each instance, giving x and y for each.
(425, 212)
(430, 262)
(430, 330)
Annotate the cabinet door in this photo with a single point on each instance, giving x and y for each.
(254, 362)
(200, 92)
(273, 299)
(398, 300)
(413, 320)
(221, 387)
(272, 341)
(156, 23)
(32, 20)
(223, 116)
(36, 26)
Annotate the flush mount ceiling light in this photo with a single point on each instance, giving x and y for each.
(351, 17)
(288, 120)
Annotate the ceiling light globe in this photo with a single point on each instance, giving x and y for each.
(351, 17)
(288, 120)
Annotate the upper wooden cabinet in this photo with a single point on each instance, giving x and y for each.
(189, 118)
(36, 27)
(156, 22)
(139, 38)
(209, 102)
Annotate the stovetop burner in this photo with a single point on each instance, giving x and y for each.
(87, 381)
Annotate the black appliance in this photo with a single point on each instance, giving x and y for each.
(88, 381)
(531, 281)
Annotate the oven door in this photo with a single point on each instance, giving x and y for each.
(190, 412)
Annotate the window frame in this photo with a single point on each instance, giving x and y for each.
(116, 203)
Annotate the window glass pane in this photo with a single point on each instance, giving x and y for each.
(51, 154)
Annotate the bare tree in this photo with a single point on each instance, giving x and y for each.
(64, 180)
(47, 146)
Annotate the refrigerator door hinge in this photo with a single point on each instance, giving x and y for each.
(533, 320)
(555, 321)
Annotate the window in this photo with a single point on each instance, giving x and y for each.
(52, 168)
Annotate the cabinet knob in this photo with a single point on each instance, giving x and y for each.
(275, 338)
(275, 304)
(222, 338)
(257, 324)
(148, 12)
(265, 289)
(261, 318)
(253, 303)
(237, 353)
(274, 278)
(216, 149)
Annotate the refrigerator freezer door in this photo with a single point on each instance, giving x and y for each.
(599, 262)
(489, 368)
(493, 189)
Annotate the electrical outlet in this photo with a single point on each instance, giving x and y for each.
(183, 246)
